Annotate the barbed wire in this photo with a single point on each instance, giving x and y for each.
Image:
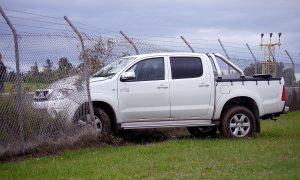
(36, 20)
(159, 39)
(35, 14)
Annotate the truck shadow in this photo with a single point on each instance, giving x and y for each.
(146, 136)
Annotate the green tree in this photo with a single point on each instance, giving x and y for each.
(250, 70)
(65, 68)
(287, 74)
(11, 76)
(33, 75)
(279, 69)
(48, 72)
(34, 70)
(48, 67)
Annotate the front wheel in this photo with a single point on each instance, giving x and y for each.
(102, 121)
(237, 122)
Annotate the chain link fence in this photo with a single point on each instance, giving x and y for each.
(53, 66)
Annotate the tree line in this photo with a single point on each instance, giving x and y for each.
(287, 73)
(98, 55)
(65, 68)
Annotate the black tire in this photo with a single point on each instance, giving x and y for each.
(237, 122)
(203, 132)
(102, 119)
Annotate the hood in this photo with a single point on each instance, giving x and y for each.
(68, 83)
(95, 79)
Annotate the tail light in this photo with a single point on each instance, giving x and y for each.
(283, 95)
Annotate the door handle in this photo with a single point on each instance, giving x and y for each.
(162, 87)
(203, 85)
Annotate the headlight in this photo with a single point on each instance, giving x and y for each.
(57, 94)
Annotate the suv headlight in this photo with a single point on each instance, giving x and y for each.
(57, 94)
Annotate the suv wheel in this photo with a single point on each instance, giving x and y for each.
(238, 122)
(102, 120)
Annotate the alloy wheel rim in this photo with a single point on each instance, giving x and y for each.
(87, 120)
(239, 125)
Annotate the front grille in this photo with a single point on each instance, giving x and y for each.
(41, 95)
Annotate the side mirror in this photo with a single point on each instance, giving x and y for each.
(127, 76)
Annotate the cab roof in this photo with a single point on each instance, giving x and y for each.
(166, 54)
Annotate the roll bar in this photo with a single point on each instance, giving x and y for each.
(229, 63)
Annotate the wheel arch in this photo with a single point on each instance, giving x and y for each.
(246, 102)
(109, 111)
(104, 106)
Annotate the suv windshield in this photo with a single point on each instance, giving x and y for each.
(113, 68)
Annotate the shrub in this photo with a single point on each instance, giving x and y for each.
(40, 130)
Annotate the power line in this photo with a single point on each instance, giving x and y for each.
(104, 29)
(199, 39)
(28, 19)
(39, 27)
(109, 35)
(40, 15)
(45, 16)
(100, 28)
(153, 36)
(5, 30)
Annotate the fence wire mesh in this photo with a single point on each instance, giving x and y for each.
(52, 69)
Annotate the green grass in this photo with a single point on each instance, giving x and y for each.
(27, 87)
(273, 154)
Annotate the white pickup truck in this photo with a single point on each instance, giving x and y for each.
(170, 90)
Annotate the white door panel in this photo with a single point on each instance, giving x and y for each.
(191, 97)
(147, 97)
(144, 100)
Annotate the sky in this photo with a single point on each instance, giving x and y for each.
(235, 22)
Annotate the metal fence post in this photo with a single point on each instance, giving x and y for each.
(225, 53)
(255, 67)
(86, 67)
(130, 42)
(20, 104)
(293, 66)
(187, 43)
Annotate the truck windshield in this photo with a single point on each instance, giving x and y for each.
(113, 68)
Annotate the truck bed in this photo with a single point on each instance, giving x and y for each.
(264, 90)
(247, 78)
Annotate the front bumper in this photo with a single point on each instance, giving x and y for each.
(64, 107)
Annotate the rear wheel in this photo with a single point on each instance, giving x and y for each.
(203, 131)
(237, 122)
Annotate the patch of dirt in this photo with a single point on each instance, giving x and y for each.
(144, 136)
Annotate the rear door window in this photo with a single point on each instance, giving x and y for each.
(186, 67)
